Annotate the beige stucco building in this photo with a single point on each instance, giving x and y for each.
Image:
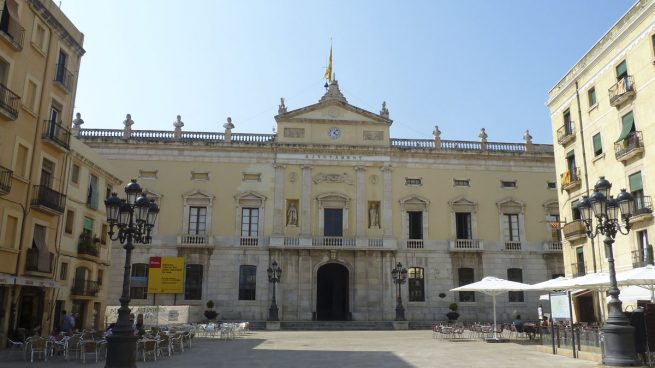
(40, 51)
(602, 115)
(337, 203)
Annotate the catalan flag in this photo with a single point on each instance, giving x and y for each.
(328, 71)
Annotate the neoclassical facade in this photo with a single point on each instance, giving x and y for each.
(337, 203)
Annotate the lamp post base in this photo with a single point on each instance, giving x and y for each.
(273, 313)
(619, 344)
(400, 313)
(121, 351)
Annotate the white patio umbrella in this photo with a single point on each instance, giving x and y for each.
(598, 280)
(493, 286)
(634, 293)
(642, 276)
(560, 283)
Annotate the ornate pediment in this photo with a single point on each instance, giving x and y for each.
(510, 205)
(462, 204)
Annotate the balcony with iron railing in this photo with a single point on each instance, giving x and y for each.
(570, 179)
(88, 246)
(85, 288)
(512, 245)
(574, 230)
(9, 103)
(566, 133)
(64, 78)
(249, 241)
(194, 241)
(333, 241)
(56, 133)
(640, 258)
(32, 262)
(643, 209)
(629, 147)
(5, 180)
(466, 245)
(553, 246)
(11, 31)
(578, 269)
(622, 91)
(48, 199)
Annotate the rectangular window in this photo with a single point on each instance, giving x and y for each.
(333, 222)
(508, 184)
(249, 221)
(465, 276)
(645, 250)
(75, 174)
(88, 225)
(413, 182)
(579, 266)
(415, 224)
(568, 124)
(570, 166)
(103, 234)
(100, 276)
(553, 222)
(11, 231)
(47, 173)
(516, 275)
(637, 191)
(551, 185)
(63, 271)
(70, 221)
(247, 282)
(61, 67)
(197, 220)
(139, 281)
(20, 167)
(92, 193)
(511, 230)
(621, 70)
(591, 94)
(193, 282)
(31, 95)
(39, 37)
(462, 182)
(598, 144)
(463, 225)
(416, 284)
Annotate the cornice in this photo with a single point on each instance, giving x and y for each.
(44, 12)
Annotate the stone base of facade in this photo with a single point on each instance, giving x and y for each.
(400, 325)
(272, 325)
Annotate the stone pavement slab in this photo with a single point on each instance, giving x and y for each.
(341, 349)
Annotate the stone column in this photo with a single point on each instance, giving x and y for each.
(386, 215)
(361, 212)
(305, 201)
(278, 200)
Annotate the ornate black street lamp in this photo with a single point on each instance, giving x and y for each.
(274, 273)
(133, 219)
(399, 275)
(617, 331)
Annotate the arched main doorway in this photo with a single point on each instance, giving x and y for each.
(332, 293)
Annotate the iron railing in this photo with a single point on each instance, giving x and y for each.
(643, 205)
(32, 261)
(90, 249)
(512, 245)
(553, 246)
(48, 197)
(12, 30)
(570, 178)
(64, 77)
(622, 90)
(85, 287)
(565, 132)
(631, 143)
(574, 229)
(9, 102)
(5, 180)
(466, 244)
(56, 133)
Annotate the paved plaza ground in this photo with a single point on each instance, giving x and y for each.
(341, 349)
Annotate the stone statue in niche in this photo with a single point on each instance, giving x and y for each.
(374, 215)
(292, 214)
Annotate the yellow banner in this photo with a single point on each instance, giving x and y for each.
(166, 275)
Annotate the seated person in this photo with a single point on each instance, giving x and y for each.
(518, 323)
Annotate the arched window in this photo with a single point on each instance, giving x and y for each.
(416, 284)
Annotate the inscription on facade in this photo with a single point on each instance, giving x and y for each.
(333, 157)
(333, 178)
(373, 135)
(294, 132)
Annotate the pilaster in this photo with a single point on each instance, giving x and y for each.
(386, 202)
(278, 202)
(360, 211)
(305, 202)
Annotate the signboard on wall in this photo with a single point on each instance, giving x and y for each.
(166, 275)
(559, 306)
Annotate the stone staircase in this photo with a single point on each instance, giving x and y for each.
(421, 325)
(335, 325)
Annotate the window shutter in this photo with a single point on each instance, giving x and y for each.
(635, 182)
(621, 69)
(628, 125)
(570, 154)
(598, 146)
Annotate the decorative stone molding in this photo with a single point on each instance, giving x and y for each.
(197, 198)
(462, 204)
(373, 135)
(148, 174)
(251, 177)
(333, 93)
(332, 178)
(294, 132)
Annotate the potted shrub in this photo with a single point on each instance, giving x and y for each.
(210, 313)
(452, 315)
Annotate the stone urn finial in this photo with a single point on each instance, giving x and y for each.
(77, 124)
(127, 130)
(282, 108)
(384, 111)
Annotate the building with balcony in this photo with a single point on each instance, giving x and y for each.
(609, 94)
(337, 203)
(34, 37)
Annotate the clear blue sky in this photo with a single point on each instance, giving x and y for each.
(462, 65)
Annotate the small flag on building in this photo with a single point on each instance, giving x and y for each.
(328, 71)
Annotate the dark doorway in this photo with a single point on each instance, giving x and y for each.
(585, 308)
(30, 310)
(332, 293)
(333, 222)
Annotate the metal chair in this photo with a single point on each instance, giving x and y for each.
(38, 345)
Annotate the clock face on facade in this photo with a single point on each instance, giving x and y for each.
(334, 133)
